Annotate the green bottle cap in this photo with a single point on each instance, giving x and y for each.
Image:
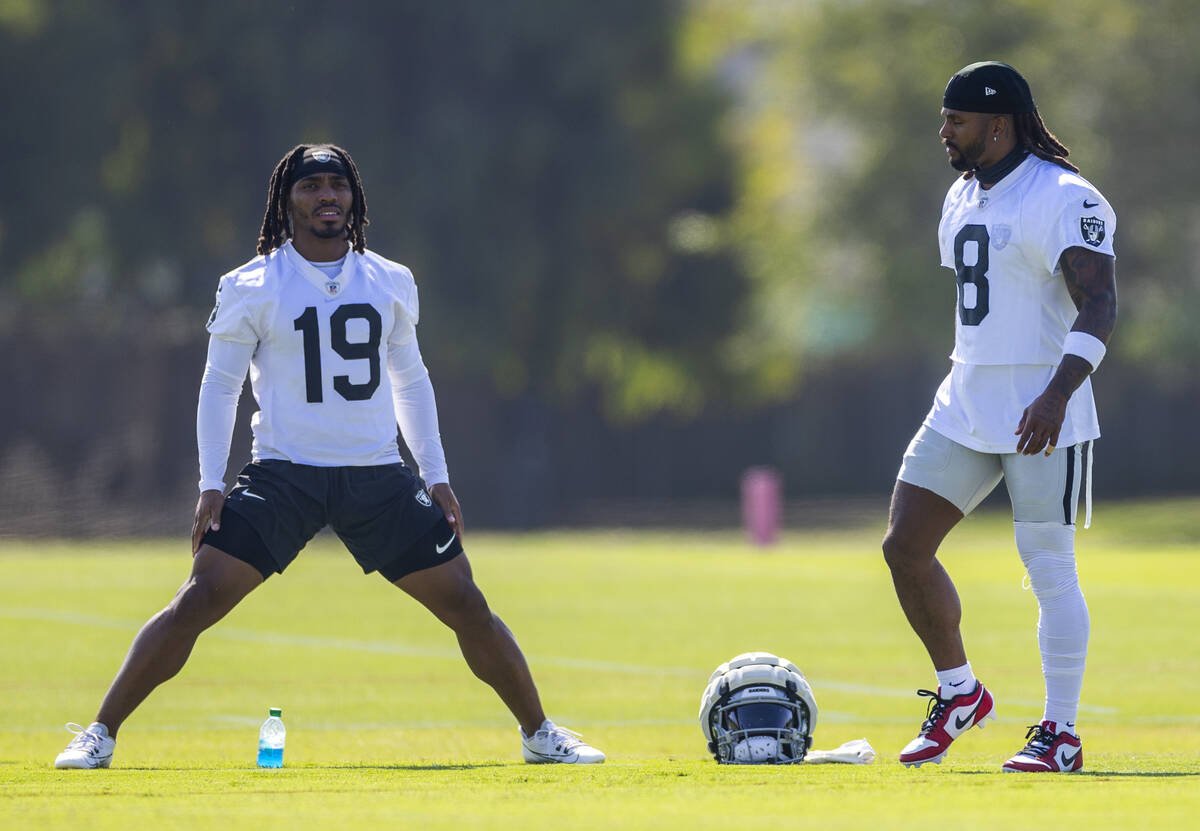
(276, 711)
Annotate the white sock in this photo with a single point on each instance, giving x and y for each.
(1048, 551)
(957, 681)
(1063, 726)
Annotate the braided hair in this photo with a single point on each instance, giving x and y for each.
(276, 227)
(1033, 136)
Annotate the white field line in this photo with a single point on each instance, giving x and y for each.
(399, 648)
(240, 722)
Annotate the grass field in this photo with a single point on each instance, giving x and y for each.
(388, 728)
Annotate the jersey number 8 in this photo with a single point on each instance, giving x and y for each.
(367, 350)
(974, 275)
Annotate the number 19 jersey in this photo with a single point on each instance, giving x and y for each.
(319, 369)
(1014, 311)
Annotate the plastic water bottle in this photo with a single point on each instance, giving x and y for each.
(270, 740)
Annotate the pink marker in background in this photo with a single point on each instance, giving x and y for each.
(762, 504)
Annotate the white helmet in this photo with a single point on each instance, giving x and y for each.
(758, 709)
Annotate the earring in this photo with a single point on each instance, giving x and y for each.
(995, 138)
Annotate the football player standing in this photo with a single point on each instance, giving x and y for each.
(327, 329)
(1031, 246)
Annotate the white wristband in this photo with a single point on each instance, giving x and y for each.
(1086, 346)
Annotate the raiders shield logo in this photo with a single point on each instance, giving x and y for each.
(1001, 234)
(1092, 228)
(424, 499)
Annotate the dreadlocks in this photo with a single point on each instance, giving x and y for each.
(1033, 135)
(276, 227)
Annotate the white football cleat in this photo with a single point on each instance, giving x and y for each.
(552, 743)
(92, 747)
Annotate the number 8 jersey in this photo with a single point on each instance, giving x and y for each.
(319, 369)
(1013, 309)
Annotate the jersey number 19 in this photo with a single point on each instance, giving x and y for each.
(368, 350)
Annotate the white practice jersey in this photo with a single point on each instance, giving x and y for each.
(1014, 310)
(319, 369)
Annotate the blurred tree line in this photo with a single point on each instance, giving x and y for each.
(664, 212)
(543, 167)
(841, 177)
(671, 201)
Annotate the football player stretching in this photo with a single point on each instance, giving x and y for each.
(327, 329)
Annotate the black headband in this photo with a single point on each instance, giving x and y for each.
(988, 87)
(319, 159)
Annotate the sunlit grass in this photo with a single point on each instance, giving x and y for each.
(386, 724)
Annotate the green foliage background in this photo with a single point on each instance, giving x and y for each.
(529, 161)
(840, 180)
(671, 202)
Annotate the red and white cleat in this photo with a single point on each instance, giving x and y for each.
(948, 718)
(1047, 751)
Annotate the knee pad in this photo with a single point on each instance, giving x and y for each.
(1048, 551)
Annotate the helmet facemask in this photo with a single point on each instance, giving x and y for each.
(758, 711)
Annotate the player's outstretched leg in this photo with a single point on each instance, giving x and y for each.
(218, 582)
(449, 591)
(947, 719)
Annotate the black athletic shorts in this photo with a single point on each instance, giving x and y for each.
(382, 513)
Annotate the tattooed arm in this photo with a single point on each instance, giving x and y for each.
(1092, 283)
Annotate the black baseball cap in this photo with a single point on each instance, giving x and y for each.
(988, 87)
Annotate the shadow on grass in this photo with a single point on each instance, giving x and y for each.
(294, 768)
(1095, 774)
(1162, 774)
(428, 766)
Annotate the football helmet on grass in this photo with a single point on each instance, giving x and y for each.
(758, 709)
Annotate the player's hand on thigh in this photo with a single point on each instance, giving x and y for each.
(208, 515)
(448, 502)
(1041, 423)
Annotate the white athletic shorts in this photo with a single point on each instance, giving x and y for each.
(1041, 488)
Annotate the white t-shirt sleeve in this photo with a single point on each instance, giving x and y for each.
(412, 303)
(220, 389)
(1084, 220)
(408, 312)
(231, 318)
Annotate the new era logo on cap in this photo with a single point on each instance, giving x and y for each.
(989, 91)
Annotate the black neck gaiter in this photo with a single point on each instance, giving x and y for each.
(992, 175)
